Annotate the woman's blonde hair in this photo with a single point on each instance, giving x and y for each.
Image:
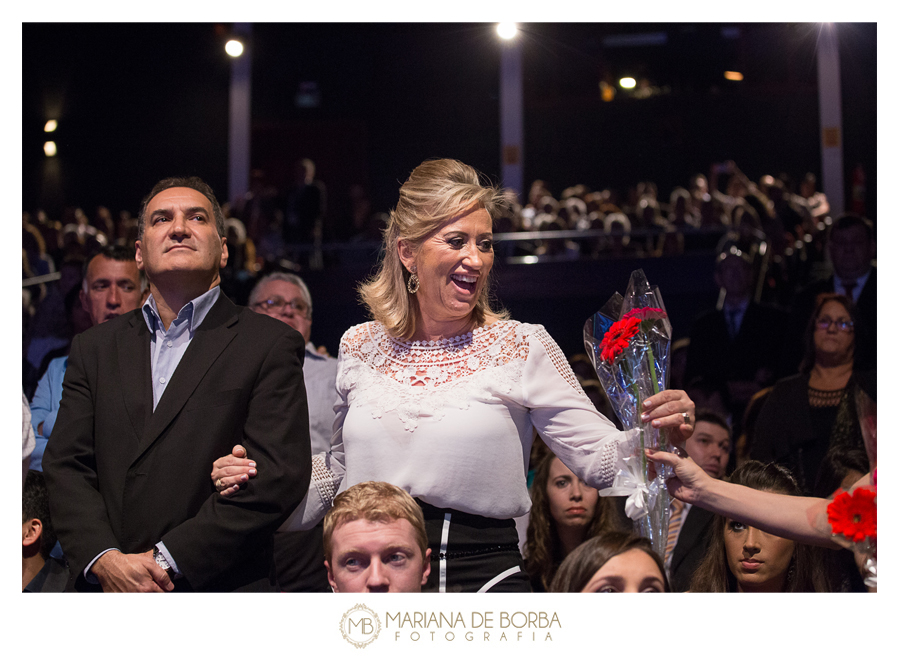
(436, 191)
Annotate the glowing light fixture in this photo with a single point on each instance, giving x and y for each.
(234, 48)
(627, 83)
(507, 30)
(734, 75)
(49, 149)
(50, 126)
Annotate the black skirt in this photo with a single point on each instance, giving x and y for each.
(471, 553)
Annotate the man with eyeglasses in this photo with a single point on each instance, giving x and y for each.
(298, 555)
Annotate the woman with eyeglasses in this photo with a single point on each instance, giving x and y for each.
(813, 411)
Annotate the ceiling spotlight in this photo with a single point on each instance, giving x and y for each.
(49, 149)
(507, 30)
(627, 83)
(234, 48)
(50, 126)
(734, 75)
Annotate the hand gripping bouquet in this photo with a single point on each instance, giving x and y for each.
(628, 342)
(853, 516)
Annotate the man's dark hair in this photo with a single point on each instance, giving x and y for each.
(117, 252)
(111, 251)
(850, 220)
(194, 183)
(36, 505)
(709, 416)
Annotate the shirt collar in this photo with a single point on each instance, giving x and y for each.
(195, 310)
(740, 307)
(860, 280)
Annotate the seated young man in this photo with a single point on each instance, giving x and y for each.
(375, 541)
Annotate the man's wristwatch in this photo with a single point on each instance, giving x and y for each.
(163, 563)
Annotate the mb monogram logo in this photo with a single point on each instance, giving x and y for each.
(360, 626)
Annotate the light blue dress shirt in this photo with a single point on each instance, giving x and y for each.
(168, 346)
(45, 407)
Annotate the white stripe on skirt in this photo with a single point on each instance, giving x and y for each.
(496, 579)
(445, 538)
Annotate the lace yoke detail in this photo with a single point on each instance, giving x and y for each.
(436, 364)
(413, 378)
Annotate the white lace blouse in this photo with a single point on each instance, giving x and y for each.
(451, 421)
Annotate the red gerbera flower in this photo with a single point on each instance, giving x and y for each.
(616, 338)
(646, 313)
(854, 515)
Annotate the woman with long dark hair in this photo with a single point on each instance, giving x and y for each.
(743, 558)
(564, 513)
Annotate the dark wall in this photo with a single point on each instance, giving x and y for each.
(138, 102)
(135, 103)
(560, 296)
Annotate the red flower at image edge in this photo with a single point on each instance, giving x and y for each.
(616, 338)
(646, 313)
(854, 515)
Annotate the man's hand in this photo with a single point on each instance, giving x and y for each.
(131, 572)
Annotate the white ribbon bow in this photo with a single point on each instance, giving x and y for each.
(629, 481)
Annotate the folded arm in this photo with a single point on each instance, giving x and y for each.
(276, 433)
(233, 472)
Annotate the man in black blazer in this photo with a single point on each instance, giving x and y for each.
(736, 346)
(152, 398)
(710, 447)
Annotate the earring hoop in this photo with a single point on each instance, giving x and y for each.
(412, 284)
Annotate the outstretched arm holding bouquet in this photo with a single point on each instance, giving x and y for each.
(849, 521)
(803, 519)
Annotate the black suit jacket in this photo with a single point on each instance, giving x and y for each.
(121, 475)
(713, 355)
(693, 542)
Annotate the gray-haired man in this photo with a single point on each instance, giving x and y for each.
(285, 297)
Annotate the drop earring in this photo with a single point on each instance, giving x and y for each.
(412, 284)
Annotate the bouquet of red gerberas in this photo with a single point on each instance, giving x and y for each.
(853, 516)
(628, 342)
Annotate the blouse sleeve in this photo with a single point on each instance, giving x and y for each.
(584, 440)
